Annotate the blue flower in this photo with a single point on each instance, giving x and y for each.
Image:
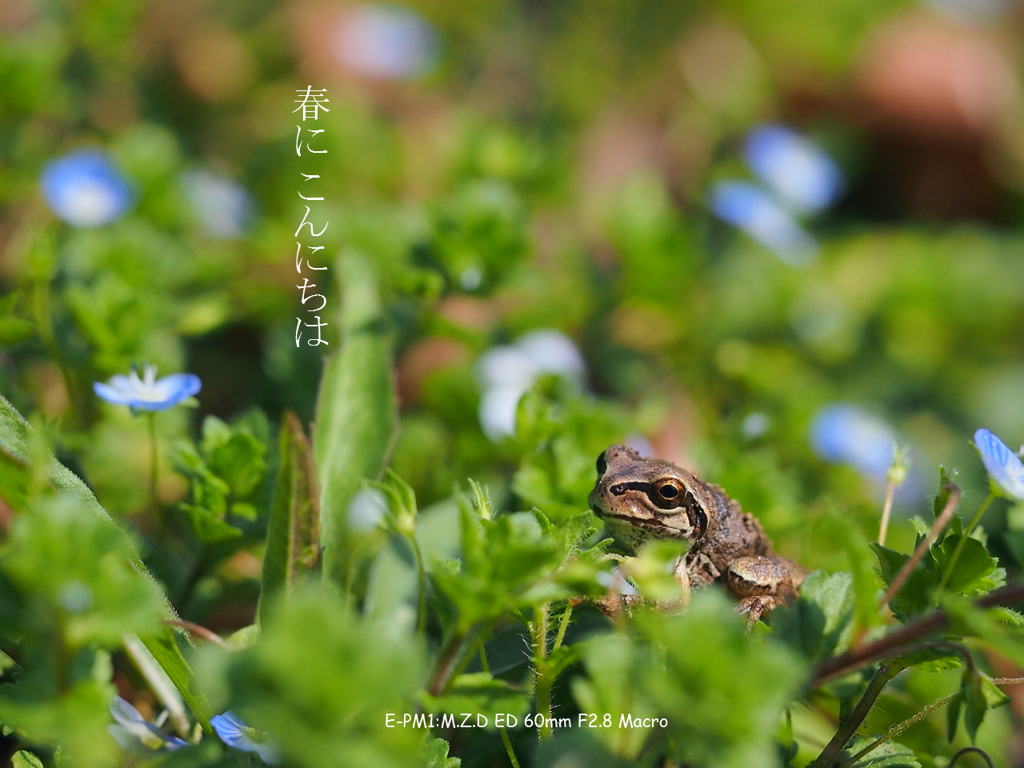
(85, 189)
(237, 734)
(795, 167)
(1005, 471)
(846, 434)
(148, 393)
(757, 213)
(223, 206)
(134, 734)
(385, 42)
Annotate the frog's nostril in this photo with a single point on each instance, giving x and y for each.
(618, 490)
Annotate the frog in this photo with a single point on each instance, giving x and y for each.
(642, 499)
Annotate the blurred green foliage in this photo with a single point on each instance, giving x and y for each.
(550, 172)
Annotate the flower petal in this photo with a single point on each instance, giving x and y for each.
(1004, 468)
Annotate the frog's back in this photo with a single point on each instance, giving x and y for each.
(732, 533)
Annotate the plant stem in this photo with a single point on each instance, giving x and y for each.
(445, 663)
(539, 630)
(846, 732)
(963, 541)
(893, 643)
(153, 461)
(562, 626)
(899, 728)
(976, 750)
(890, 491)
(421, 577)
(941, 522)
(504, 733)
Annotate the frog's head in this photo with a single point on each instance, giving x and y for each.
(642, 499)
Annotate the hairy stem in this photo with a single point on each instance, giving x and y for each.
(562, 626)
(539, 631)
(885, 673)
(197, 630)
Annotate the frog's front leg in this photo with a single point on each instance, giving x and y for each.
(762, 584)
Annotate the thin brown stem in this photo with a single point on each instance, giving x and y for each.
(197, 630)
(892, 643)
(940, 523)
(445, 663)
(883, 529)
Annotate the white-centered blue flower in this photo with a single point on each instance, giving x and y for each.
(794, 166)
(1005, 471)
(224, 206)
(386, 42)
(85, 189)
(148, 393)
(233, 732)
(756, 212)
(134, 734)
(506, 372)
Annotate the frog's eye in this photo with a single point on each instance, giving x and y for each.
(602, 464)
(667, 493)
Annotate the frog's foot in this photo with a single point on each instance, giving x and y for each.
(756, 606)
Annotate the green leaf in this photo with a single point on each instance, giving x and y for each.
(322, 681)
(708, 657)
(24, 759)
(14, 439)
(14, 329)
(165, 650)
(975, 570)
(356, 409)
(610, 688)
(888, 755)
(975, 704)
(818, 625)
(506, 564)
(479, 694)
(435, 754)
(234, 455)
(293, 536)
(207, 526)
(953, 716)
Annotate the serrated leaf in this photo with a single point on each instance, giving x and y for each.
(356, 408)
(25, 759)
(293, 536)
(479, 694)
(1007, 616)
(819, 623)
(435, 754)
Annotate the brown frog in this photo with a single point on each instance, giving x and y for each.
(642, 499)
